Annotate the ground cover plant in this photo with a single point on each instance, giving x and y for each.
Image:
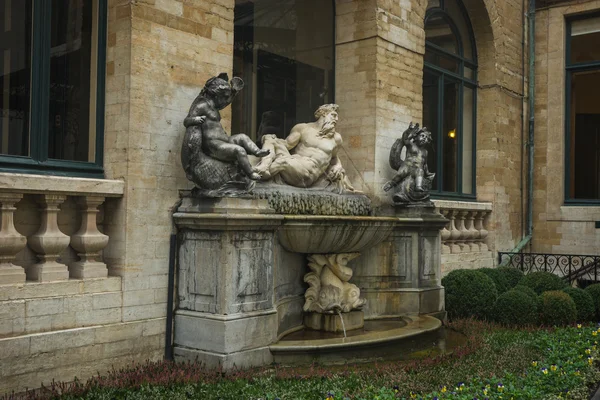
(495, 362)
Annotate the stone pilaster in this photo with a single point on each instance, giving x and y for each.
(88, 241)
(11, 241)
(48, 242)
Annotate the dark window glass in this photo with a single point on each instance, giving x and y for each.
(450, 72)
(585, 136)
(439, 33)
(284, 52)
(449, 137)
(585, 40)
(15, 76)
(70, 77)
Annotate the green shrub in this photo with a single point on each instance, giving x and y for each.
(583, 302)
(513, 275)
(594, 291)
(500, 280)
(543, 281)
(527, 290)
(515, 307)
(469, 293)
(557, 308)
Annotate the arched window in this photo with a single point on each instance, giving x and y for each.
(284, 50)
(449, 97)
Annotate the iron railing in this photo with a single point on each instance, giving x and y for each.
(568, 266)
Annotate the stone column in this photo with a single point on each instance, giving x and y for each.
(11, 241)
(88, 241)
(48, 242)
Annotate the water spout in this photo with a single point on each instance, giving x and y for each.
(342, 319)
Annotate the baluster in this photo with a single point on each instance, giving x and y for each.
(464, 234)
(473, 233)
(445, 233)
(454, 232)
(483, 233)
(11, 241)
(88, 241)
(48, 242)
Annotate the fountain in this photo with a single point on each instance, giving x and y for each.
(255, 232)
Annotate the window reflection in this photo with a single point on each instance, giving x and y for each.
(284, 52)
(15, 72)
(70, 76)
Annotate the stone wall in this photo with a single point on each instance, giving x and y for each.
(558, 228)
(159, 54)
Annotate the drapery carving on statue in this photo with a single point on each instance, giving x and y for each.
(329, 290)
(308, 156)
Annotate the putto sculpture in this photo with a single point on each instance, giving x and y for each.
(413, 179)
(308, 156)
(217, 163)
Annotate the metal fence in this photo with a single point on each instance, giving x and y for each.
(568, 266)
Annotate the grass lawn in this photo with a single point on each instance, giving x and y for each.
(494, 363)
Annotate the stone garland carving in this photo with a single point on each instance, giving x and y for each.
(216, 162)
(413, 179)
(329, 290)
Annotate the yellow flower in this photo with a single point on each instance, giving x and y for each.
(590, 360)
(579, 326)
(534, 363)
(594, 333)
(413, 395)
(444, 389)
(553, 367)
(588, 351)
(544, 371)
(485, 392)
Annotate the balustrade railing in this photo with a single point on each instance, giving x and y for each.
(49, 241)
(466, 230)
(568, 266)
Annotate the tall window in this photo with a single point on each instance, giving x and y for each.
(583, 110)
(284, 52)
(52, 85)
(449, 97)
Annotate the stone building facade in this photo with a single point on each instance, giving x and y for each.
(158, 55)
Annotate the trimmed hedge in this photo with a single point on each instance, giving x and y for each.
(583, 302)
(594, 291)
(513, 275)
(543, 282)
(557, 308)
(469, 293)
(515, 307)
(528, 291)
(499, 278)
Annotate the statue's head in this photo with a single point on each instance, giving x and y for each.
(423, 137)
(220, 90)
(327, 116)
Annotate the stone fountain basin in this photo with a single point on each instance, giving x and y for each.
(323, 234)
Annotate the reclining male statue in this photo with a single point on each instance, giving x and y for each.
(308, 156)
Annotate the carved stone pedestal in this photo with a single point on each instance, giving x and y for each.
(226, 314)
(333, 322)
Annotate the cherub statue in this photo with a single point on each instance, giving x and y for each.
(412, 177)
(212, 159)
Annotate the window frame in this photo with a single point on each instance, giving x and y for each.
(38, 161)
(570, 69)
(442, 74)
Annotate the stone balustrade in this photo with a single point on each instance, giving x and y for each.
(49, 242)
(466, 230)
